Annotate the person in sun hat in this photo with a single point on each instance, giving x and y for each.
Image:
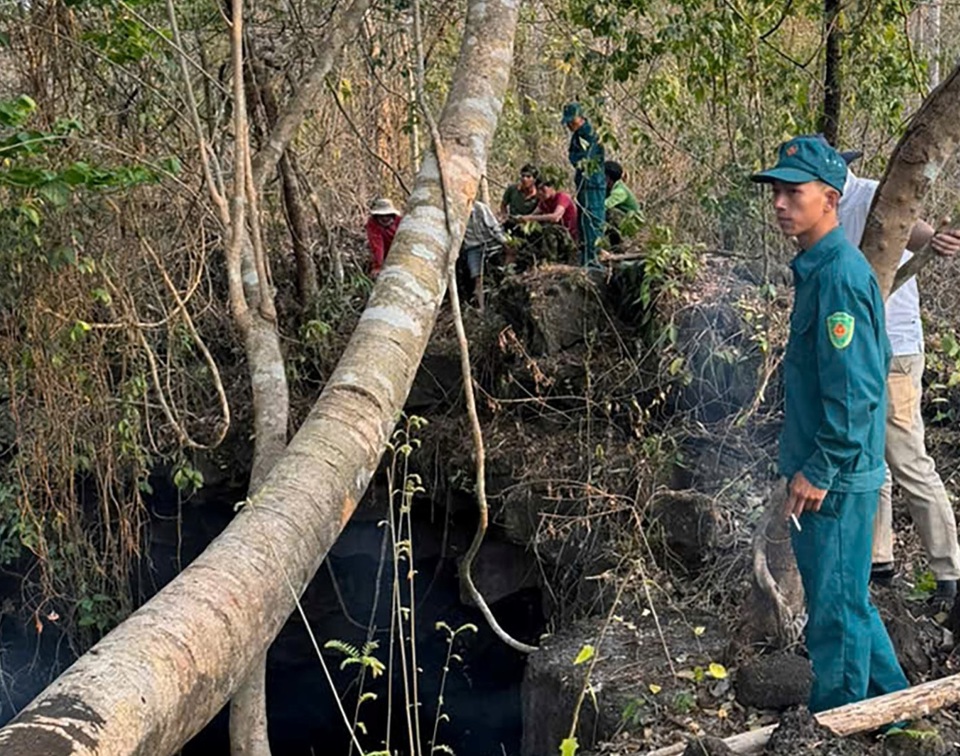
(832, 442)
(586, 157)
(908, 462)
(381, 228)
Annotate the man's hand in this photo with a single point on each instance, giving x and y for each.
(802, 496)
(946, 242)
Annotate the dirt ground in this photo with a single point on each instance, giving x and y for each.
(689, 709)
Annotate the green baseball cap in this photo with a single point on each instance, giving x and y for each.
(803, 159)
(570, 111)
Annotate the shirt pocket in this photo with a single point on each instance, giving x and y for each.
(801, 343)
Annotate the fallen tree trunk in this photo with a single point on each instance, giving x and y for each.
(158, 678)
(862, 716)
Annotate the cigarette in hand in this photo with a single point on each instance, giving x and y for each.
(796, 522)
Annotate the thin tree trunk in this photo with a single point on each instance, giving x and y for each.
(931, 41)
(310, 88)
(155, 680)
(307, 286)
(830, 120)
(271, 406)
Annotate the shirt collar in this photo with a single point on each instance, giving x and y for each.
(808, 261)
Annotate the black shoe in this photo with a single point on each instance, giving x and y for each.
(881, 573)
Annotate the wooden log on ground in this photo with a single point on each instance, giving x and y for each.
(863, 716)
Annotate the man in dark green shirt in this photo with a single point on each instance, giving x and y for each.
(832, 443)
(521, 198)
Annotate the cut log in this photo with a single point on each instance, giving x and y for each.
(862, 716)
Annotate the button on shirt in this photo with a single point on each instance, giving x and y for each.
(834, 370)
(904, 326)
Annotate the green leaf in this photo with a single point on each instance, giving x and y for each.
(585, 655)
(102, 296)
(568, 747)
(56, 193)
(171, 165)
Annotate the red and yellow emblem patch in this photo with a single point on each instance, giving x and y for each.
(840, 327)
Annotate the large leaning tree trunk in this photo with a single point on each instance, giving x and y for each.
(255, 312)
(929, 142)
(774, 609)
(154, 681)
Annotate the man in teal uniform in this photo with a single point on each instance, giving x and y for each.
(832, 444)
(586, 156)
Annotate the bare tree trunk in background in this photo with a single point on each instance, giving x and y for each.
(308, 288)
(333, 249)
(412, 113)
(830, 118)
(307, 285)
(154, 681)
(528, 75)
(931, 41)
(929, 142)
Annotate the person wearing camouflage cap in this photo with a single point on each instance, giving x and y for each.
(832, 442)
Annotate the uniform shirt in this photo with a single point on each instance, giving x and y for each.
(904, 327)
(518, 203)
(569, 219)
(835, 370)
(586, 156)
(379, 239)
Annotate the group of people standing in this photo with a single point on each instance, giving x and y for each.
(544, 222)
(851, 417)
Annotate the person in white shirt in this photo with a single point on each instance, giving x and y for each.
(907, 458)
(483, 238)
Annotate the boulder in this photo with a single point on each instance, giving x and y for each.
(689, 524)
(721, 360)
(552, 308)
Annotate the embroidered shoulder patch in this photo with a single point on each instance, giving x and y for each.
(840, 329)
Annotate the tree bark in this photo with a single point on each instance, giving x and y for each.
(930, 140)
(931, 41)
(307, 286)
(155, 680)
(830, 118)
